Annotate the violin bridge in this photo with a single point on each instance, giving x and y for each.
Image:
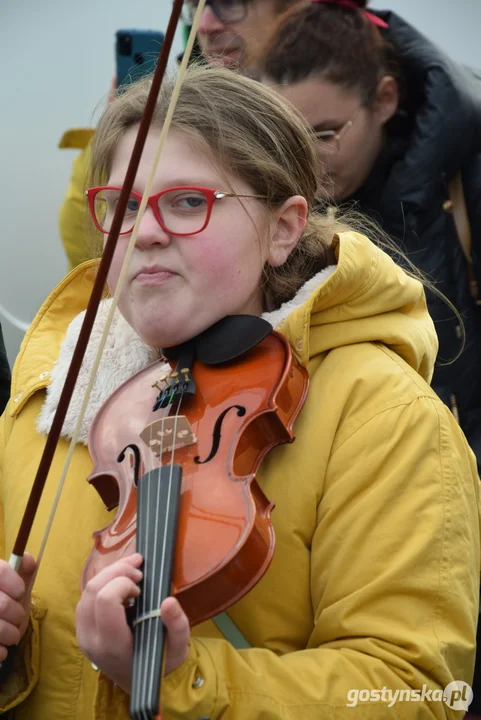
(159, 435)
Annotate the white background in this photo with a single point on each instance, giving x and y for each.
(57, 60)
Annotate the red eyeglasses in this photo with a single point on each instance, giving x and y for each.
(184, 210)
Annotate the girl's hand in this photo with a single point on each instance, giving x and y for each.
(178, 634)
(103, 634)
(14, 602)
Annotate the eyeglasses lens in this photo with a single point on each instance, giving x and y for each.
(183, 212)
(226, 10)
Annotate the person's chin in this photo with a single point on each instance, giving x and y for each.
(161, 336)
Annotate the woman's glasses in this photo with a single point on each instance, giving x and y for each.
(184, 210)
(227, 11)
(330, 140)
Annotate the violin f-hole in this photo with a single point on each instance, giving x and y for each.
(216, 435)
(136, 452)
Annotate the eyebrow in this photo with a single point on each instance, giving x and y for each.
(178, 182)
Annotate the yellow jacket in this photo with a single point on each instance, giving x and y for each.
(375, 579)
(75, 227)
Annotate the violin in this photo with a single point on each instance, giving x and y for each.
(178, 453)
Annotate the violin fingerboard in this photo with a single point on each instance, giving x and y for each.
(158, 499)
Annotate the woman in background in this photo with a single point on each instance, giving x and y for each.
(398, 127)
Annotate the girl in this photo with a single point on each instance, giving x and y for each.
(374, 583)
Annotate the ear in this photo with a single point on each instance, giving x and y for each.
(387, 98)
(288, 224)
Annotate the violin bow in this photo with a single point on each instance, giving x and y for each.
(98, 288)
(53, 437)
(149, 109)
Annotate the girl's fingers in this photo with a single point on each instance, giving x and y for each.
(13, 583)
(178, 634)
(9, 634)
(10, 582)
(110, 605)
(11, 610)
(127, 567)
(102, 624)
(87, 608)
(28, 566)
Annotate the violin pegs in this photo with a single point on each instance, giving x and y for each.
(162, 379)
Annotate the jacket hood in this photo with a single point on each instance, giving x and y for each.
(368, 298)
(443, 105)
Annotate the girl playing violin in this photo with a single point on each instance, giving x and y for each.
(374, 582)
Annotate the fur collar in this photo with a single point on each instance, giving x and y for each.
(124, 355)
(277, 317)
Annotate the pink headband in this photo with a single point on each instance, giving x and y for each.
(374, 19)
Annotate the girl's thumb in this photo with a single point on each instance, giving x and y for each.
(27, 568)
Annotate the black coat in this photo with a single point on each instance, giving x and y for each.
(4, 375)
(435, 135)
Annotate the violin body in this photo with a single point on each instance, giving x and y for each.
(240, 411)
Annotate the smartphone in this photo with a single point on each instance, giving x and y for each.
(137, 52)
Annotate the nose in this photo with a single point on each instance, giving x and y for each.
(150, 232)
(209, 22)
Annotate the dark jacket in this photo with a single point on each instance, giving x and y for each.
(435, 135)
(4, 375)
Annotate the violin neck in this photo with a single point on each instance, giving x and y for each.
(158, 499)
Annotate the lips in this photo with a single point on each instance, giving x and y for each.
(226, 50)
(154, 270)
(154, 275)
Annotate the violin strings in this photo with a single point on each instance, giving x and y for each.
(140, 632)
(168, 517)
(154, 536)
(147, 624)
(145, 686)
